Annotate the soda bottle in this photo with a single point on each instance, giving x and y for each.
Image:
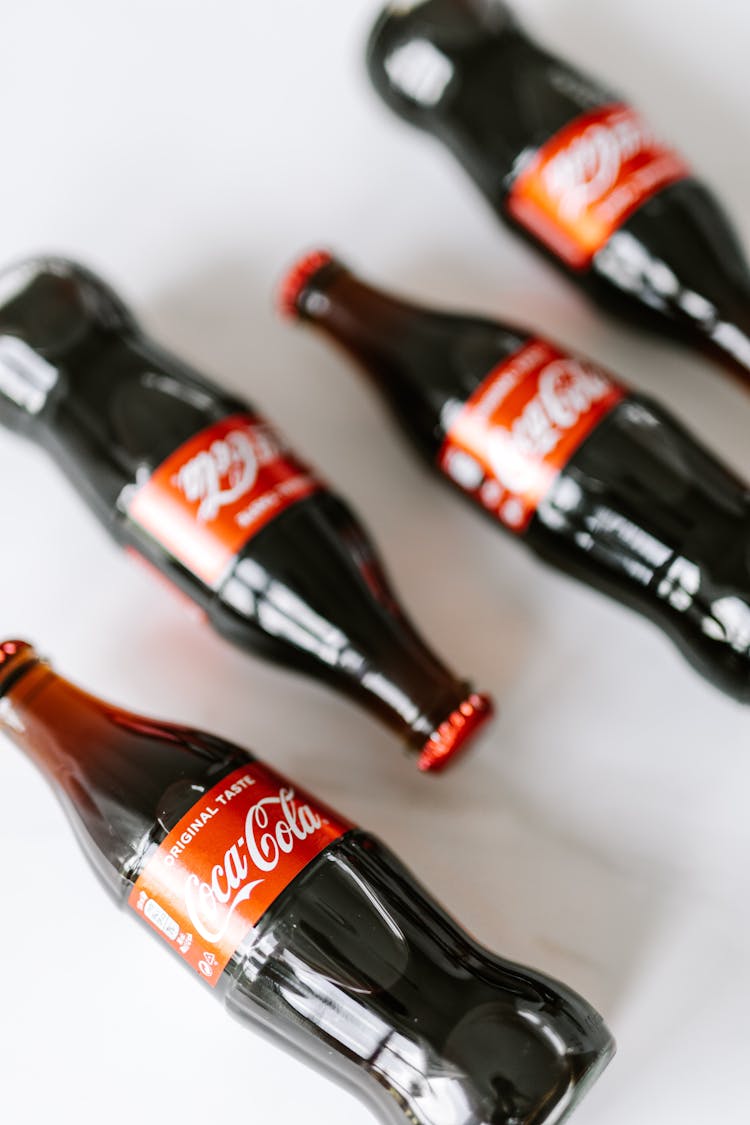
(203, 488)
(571, 166)
(299, 921)
(598, 480)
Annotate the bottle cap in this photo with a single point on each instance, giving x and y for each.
(14, 655)
(298, 278)
(454, 735)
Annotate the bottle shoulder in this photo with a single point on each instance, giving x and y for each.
(79, 376)
(472, 76)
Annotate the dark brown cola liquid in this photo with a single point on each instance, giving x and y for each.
(641, 510)
(466, 71)
(354, 966)
(78, 376)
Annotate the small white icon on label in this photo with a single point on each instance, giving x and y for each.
(465, 470)
(184, 942)
(513, 513)
(491, 493)
(158, 917)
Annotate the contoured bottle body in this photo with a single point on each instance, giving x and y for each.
(571, 166)
(209, 493)
(600, 481)
(304, 926)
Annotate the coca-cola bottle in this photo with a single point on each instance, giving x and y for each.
(301, 923)
(205, 490)
(596, 479)
(571, 166)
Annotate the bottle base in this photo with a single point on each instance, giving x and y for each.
(564, 1110)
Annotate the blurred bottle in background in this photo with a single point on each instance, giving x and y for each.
(600, 481)
(571, 166)
(202, 487)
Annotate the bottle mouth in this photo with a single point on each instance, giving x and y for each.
(15, 656)
(454, 736)
(297, 280)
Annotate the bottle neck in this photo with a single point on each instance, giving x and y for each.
(123, 780)
(426, 363)
(405, 350)
(29, 712)
(369, 324)
(59, 729)
(338, 618)
(69, 735)
(434, 713)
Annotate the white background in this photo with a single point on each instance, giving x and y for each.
(189, 151)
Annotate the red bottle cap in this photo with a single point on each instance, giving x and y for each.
(454, 735)
(297, 278)
(13, 655)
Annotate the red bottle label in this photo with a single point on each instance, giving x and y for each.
(589, 178)
(217, 491)
(227, 860)
(521, 426)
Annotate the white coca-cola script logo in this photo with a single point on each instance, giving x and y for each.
(568, 388)
(273, 827)
(220, 475)
(582, 174)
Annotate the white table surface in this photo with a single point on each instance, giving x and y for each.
(189, 151)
